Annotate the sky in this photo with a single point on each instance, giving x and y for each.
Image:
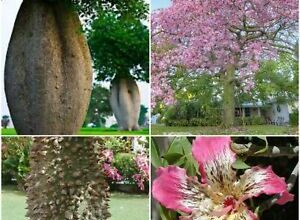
(9, 10)
(156, 4)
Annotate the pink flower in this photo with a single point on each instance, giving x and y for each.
(108, 154)
(142, 162)
(111, 172)
(220, 194)
(139, 180)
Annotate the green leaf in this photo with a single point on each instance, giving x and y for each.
(172, 158)
(155, 155)
(176, 146)
(166, 214)
(239, 164)
(190, 168)
(181, 161)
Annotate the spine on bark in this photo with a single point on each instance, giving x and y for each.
(125, 102)
(65, 181)
(48, 69)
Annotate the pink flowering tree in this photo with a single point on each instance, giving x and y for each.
(222, 38)
(210, 180)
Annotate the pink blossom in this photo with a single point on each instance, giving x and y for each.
(139, 180)
(111, 172)
(109, 155)
(220, 194)
(142, 163)
(206, 36)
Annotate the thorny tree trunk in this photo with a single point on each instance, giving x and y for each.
(48, 71)
(228, 97)
(66, 180)
(125, 101)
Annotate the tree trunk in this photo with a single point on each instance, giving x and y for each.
(48, 71)
(228, 96)
(125, 102)
(66, 180)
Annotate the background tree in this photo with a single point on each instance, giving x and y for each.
(143, 115)
(5, 121)
(99, 107)
(120, 48)
(276, 80)
(228, 39)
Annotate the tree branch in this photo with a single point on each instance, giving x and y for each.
(274, 151)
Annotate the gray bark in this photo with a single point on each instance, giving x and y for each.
(125, 101)
(48, 70)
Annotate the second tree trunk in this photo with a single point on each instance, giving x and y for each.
(228, 97)
(125, 101)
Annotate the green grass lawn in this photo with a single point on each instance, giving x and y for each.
(247, 130)
(122, 206)
(92, 131)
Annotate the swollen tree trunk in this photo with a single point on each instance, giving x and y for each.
(125, 102)
(228, 97)
(48, 71)
(66, 180)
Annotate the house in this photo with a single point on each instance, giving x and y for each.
(272, 112)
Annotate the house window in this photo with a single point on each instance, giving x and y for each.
(238, 112)
(247, 112)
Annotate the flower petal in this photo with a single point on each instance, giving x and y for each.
(257, 181)
(285, 197)
(176, 191)
(215, 159)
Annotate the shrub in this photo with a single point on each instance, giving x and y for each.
(195, 122)
(257, 120)
(125, 163)
(15, 159)
(253, 120)
(170, 116)
(181, 123)
(114, 126)
(239, 121)
(190, 114)
(294, 117)
(213, 120)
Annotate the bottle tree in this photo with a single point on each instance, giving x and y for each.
(48, 69)
(222, 38)
(119, 43)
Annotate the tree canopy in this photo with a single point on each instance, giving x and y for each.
(213, 36)
(119, 47)
(90, 8)
(276, 80)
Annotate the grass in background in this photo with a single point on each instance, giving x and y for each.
(92, 131)
(247, 130)
(122, 206)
